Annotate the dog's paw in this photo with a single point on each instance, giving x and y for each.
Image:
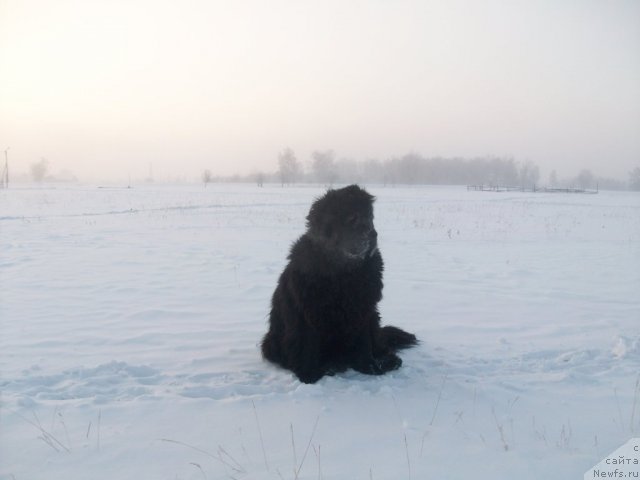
(389, 362)
(379, 365)
(310, 376)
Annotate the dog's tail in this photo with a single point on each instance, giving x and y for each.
(395, 338)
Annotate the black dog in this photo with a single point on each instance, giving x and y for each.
(324, 317)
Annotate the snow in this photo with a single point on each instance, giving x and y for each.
(131, 318)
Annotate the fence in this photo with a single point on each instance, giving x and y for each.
(534, 189)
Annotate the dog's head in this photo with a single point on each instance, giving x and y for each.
(342, 221)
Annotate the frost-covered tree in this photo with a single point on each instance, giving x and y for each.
(585, 179)
(412, 168)
(39, 170)
(348, 170)
(323, 165)
(373, 171)
(289, 169)
(529, 174)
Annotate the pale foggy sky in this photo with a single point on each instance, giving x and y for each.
(104, 88)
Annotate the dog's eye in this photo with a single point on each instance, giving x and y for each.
(353, 219)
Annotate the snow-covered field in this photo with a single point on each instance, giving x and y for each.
(130, 322)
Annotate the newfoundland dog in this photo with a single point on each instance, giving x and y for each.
(324, 317)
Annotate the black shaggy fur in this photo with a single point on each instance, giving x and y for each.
(324, 317)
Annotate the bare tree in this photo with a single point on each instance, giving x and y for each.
(289, 168)
(373, 171)
(206, 177)
(529, 174)
(413, 168)
(324, 166)
(348, 170)
(39, 170)
(634, 179)
(585, 179)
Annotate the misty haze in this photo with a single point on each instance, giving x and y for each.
(104, 90)
(159, 159)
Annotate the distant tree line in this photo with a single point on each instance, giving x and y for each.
(634, 179)
(39, 173)
(410, 169)
(324, 167)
